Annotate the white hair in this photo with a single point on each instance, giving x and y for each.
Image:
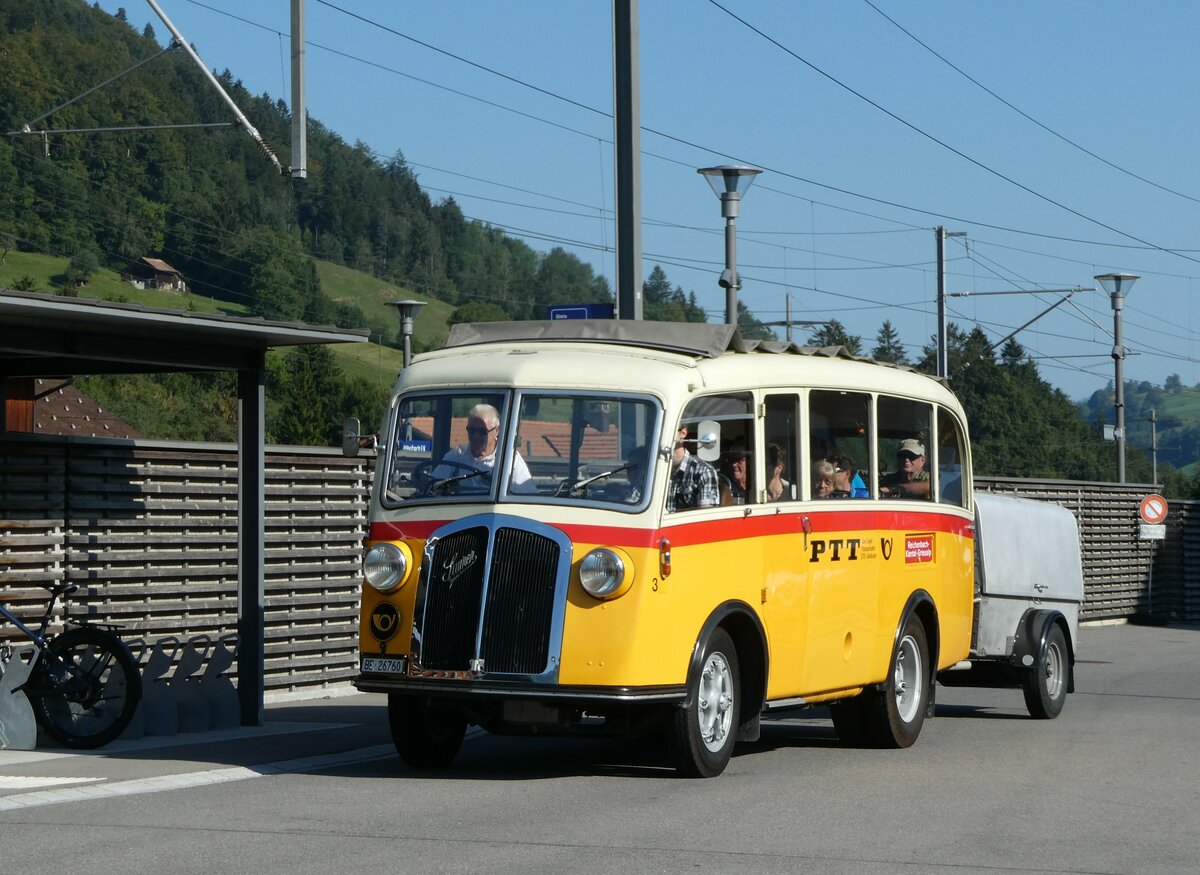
(489, 414)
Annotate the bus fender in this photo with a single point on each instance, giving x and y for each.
(750, 639)
(1030, 640)
(922, 604)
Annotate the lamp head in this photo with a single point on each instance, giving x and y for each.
(730, 179)
(1117, 284)
(407, 311)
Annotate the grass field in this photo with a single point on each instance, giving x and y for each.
(375, 363)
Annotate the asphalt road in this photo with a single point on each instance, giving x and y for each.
(1108, 787)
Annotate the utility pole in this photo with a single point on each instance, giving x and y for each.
(943, 361)
(1154, 445)
(299, 168)
(627, 149)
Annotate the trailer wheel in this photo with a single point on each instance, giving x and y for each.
(703, 733)
(895, 714)
(427, 733)
(1045, 682)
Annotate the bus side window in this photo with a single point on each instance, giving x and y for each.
(782, 450)
(905, 451)
(952, 488)
(839, 426)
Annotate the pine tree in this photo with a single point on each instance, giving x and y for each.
(833, 333)
(888, 347)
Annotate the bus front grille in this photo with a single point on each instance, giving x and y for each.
(505, 603)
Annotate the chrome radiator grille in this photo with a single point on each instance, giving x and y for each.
(506, 602)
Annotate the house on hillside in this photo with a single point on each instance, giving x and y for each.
(153, 273)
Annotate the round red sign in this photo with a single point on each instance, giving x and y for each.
(1153, 509)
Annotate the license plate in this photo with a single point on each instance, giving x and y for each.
(384, 664)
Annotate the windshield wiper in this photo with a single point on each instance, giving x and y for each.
(583, 484)
(438, 484)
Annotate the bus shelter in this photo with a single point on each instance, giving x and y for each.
(47, 336)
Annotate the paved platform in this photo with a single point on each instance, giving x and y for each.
(295, 736)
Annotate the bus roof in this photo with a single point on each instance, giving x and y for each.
(699, 340)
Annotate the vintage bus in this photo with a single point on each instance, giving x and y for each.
(633, 527)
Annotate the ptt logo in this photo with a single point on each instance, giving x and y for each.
(385, 621)
(834, 549)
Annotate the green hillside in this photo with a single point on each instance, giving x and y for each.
(375, 362)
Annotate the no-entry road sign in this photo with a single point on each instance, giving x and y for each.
(1153, 509)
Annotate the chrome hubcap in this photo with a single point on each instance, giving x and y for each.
(714, 706)
(908, 679)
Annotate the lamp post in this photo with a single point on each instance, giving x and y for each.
(407, 311)
(729, 182)
(1118, 285)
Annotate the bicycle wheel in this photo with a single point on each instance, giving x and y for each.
(84, 687)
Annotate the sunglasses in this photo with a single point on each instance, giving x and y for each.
(475, 430)
(909, 456)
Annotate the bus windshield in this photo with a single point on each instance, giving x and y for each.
(558, 448)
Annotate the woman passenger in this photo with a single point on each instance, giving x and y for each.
(823, 474)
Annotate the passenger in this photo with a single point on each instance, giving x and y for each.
(822, 479)
(847, 483)
(778, 489)
(736, 466)
(479, 454)
(910, 479)
(694, 482)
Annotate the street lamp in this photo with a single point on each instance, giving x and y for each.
(1118, 285)
(407, 311)
(729, 182)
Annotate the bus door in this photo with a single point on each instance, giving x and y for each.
(785, 569)
(844, 544)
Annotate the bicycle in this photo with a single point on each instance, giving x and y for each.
(84, 684)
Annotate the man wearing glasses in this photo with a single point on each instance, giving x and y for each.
(479, 454)
(910, 480)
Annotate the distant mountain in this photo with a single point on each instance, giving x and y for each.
(1176, 409)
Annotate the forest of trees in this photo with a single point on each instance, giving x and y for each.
(209, 203)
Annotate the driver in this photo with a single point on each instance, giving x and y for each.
(479, 454)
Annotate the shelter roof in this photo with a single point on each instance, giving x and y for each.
(49, 336)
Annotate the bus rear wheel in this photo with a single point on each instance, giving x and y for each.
(895, 714)
(427, 733)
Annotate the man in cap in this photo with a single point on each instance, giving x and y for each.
(910, 479)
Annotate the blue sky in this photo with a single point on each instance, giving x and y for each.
(868, 141)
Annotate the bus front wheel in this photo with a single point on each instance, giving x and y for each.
(703, 732)
(427, 733)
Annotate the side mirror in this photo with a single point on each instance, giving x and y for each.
(708, 440)
(350, 437)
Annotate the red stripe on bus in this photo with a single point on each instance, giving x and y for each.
(712, 531)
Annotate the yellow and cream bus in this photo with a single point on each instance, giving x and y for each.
(634, 527)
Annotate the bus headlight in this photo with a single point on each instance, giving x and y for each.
(386, 566)
(603, 573)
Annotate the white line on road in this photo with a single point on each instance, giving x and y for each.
(25, 782)
(186, 780)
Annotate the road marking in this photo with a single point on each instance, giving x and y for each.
(23, 782)
(34, 799)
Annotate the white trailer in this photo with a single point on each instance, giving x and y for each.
(1028, 588)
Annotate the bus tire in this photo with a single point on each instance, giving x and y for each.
(1045, 682)
(702, 733)
(895, 714)
(427, 733)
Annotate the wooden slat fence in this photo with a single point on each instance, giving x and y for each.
(149, 531)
